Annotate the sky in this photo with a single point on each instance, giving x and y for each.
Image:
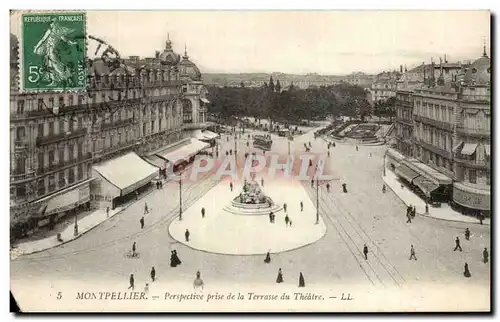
(323, 42)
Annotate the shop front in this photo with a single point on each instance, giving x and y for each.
(472, 200)
(121, 179)
(393, 159)
(182, 155)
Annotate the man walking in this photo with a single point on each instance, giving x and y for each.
(412, 253)
(262, 182)
(186, 234)
(457, 245)
(107, 212)
(286, 220)
(485, 256)
(203, 212)
(467, 233)
(301, 206)
(142, 222)
(408, 215)
(231, 186)
(153, 274)
(327, 187)
(146, 210)
(131, 281)
(365, 252)
(133, 250)
(284, 207)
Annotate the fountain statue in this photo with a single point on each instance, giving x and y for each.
(252, 201)
(252, 194)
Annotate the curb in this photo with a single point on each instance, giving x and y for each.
(427, 216)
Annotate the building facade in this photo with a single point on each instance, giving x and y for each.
(384, 86)
(443, 128)
(57, 137)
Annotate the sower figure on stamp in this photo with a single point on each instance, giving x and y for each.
(457, 245)
(131, 282)
(153, 274)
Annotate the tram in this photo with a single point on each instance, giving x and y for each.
(262, 142)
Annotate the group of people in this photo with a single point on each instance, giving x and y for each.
(159, 184)
(279, 278)
(410, 213)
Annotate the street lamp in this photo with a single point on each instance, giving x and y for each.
(385, 154)
(75, 230)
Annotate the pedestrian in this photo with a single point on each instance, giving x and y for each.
(312, 183)
(383, 188)
(198, 282)
(467, 233)
(485, 256)
(161, 184)
(271, 217)
(365, 251)
(327, 187)
(412, 253)
(328, 153)
(414, 212)
(131, 281)
(153, 274)
(408, 215)
(267, 260)
(344, 187)
(231, 152)
(457, 245)
(227, 153)
(146, 288)
(466, 270)
(186, 234)
(290, 222)
(302, 282)
(231, 186)
(133, 250)
(142, 222)
(107, 212)
(287, 220)
(284, 207)
(426, 208)
(262, 182)
(279, 279)
(136, 195)
(146, 210)
(301, 206)
(203, 212)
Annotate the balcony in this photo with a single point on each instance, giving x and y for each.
(16, 177)
(63, 165)
(116, 124)
(476, 98)
(435, 149)
(55, 138)
(473, 132)
(435, 123)
(472, 163)
(20, 144)
(111, 150)
(404, 121)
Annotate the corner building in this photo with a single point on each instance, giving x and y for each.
(56, 138)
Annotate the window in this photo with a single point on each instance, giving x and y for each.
(144, 129)
(21, 190)
(80, 122)
(152, 126)
(52, 183)
(80, 150)
(20, 107)
(488, 178)
(51, 157)
(70, 100)
(40, 130)
(71, 177)
(20, 165)
(62, 180)
(71, 122)
(51, 102)
(61, 101)
(81, 98)
(159, 124)
(61, 126)
(20, 133)
(61, 155)
(103, 97)
(41, 187)
(80, 172)
(40, 104)
(70, 152)
(51, 128)
(472, 176)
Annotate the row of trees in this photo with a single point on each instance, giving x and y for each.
(293, 104)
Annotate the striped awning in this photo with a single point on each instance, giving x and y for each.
(406, 173)
(426, 185)
(469, 148)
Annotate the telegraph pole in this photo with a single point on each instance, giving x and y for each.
(180, 196)
(317, 200)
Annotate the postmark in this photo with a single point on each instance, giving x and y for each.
(53, 52)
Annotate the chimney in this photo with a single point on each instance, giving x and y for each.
(401, 68)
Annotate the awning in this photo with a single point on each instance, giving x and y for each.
(456, 147)
(487, 149)
(209, 135)
(184, 152)
(394, 154)
(427, 171)
(406, 173)
(204, 100)
(469, 148)
(426, 185)
(156, 161)
(127, 172)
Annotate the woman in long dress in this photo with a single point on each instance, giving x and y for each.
(279, 279)
(267, 260)
(49, 47)
(302, 282)
(466, 270)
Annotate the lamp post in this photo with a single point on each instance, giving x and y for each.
(180, 194)
(75, 230)
(385, 154)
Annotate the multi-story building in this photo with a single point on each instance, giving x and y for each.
(384, 86)
(56, 138)
(448, 155)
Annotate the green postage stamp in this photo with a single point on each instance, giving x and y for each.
(53, 52)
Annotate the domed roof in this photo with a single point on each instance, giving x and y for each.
(188, 68)
(168, 57)
(479, 73)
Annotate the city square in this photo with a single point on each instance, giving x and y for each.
(129, 188)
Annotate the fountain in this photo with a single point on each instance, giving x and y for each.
(252, 201)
